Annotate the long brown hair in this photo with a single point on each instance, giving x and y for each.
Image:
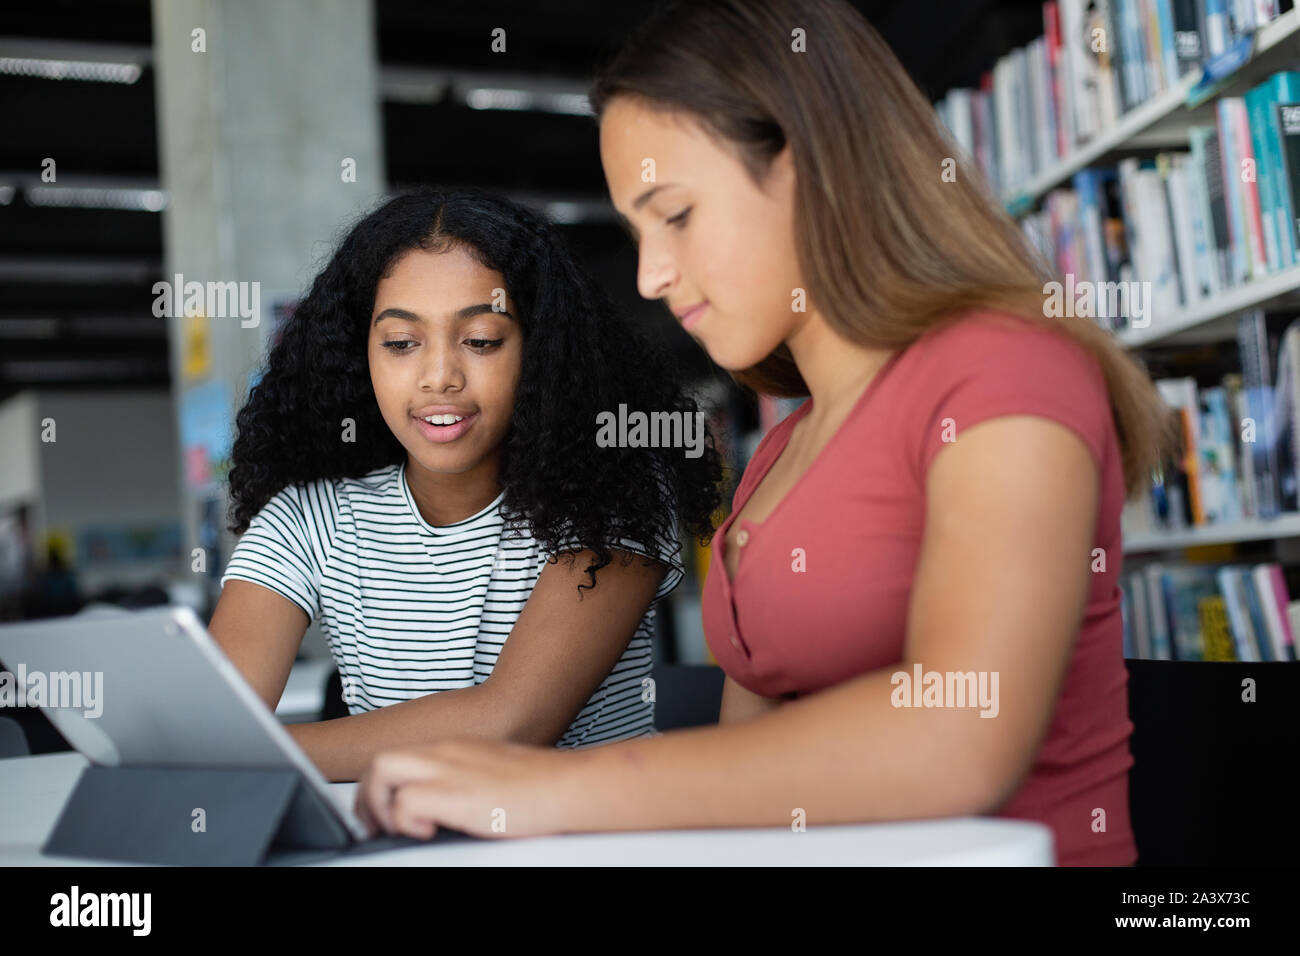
(887, 248)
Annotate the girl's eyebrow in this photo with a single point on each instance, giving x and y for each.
(644, 198)
(460, 316)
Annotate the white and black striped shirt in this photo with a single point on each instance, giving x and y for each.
(410, 609)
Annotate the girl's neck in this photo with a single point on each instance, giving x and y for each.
(445, 499)
(835, 370)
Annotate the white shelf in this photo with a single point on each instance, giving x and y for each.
(1198, 318)
(1141, 118)
(1283, 526)
(1129, 125)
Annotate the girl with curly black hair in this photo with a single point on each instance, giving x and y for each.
(417, 458)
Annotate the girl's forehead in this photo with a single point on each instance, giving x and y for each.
(454, 265)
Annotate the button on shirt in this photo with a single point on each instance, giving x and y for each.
(821, 588)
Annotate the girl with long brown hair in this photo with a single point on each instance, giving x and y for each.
(916, 597)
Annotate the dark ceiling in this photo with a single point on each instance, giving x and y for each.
(72, 280)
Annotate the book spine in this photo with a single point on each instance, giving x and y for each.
(1283, 88)
(1216, 629)
(1288, 118)
(1202, 175)
(1282, 597)
(1216, 27)
(1040, 92)
(1265, 11)
(1168, 50)
(1160, 650)
(1110, 98)
(1238, 619)
(1252, 344)
(1237, 242)
(1088, 187)
(1258, 627)
(1131, 44)
(1284, 350)
(1181, 265)
(1188, 46)
(1248, 186)
(1056, 65)
(1262, 578)
(1152, 58)
(1257, 123)
(1141, 616)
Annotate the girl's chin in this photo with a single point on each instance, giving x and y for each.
(446, 463)
(733, 359)
(736, 348)
(450, 457)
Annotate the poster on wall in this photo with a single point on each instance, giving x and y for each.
(206, 431)
(196, 362)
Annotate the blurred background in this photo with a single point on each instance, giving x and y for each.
(228, 139)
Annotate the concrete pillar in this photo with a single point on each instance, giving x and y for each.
(269, 133)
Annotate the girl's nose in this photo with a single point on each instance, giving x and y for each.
(655, 271)
(442, 371)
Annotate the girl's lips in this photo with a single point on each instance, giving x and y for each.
(692, 317)
(446, 433)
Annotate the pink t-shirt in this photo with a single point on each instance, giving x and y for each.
(859, 513)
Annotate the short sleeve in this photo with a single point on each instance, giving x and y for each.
(978, 370)
(666, 546)
(283, 548)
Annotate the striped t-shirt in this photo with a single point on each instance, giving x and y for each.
(410, 609)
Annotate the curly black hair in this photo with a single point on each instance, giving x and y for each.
(581, 356)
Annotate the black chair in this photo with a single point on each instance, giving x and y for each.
(686, 695)
(1210, 783)
(334, 705)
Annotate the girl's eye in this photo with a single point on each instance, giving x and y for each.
(398, 345)
(679, 220)
(483, 344)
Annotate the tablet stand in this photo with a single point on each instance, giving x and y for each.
(147, 815)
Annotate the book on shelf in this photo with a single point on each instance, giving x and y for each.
(1209, 612)
(1239, 458)
(1166, 234)
(1096, 61)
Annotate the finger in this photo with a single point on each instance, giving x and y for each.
(387, 772)
(360, 808)
(416, 810)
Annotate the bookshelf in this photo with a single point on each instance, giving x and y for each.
(1163, 119)
(1283, 526)
(1210, 320)
(1074, 192)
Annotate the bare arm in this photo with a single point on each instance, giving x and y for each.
(1001, 584)
(741, 704)
(559, 651)
(260, 631)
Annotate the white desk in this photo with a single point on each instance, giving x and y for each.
(33, 790)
